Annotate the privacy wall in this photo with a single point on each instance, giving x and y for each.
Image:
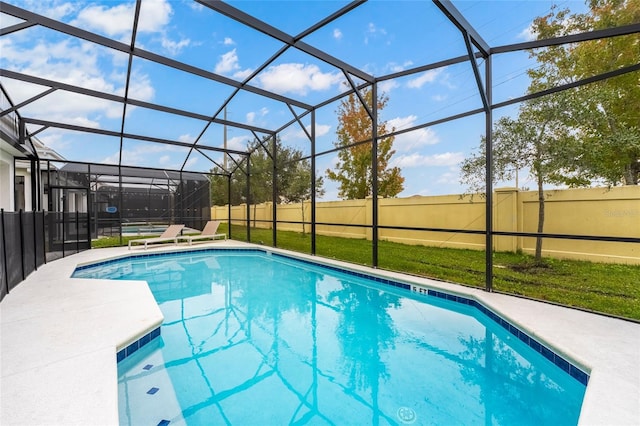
(590, 212)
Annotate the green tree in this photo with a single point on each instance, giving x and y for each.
(537, 141)
(219, 190)
(354, 168)
(604, 114)
(293, 177)
(576, 136)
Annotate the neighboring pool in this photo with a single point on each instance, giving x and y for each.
(143, 229)
(254, 338)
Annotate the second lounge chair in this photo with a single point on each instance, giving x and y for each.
(210, 231)
(170, 234)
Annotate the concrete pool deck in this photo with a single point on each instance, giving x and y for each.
(59, 338)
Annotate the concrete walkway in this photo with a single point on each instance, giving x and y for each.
(60, 335)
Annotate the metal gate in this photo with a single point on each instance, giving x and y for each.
(69, 220)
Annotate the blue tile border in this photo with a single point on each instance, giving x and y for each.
(138, 344)
(548, 353)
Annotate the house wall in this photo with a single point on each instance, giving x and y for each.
(6, 180)
(26, 173)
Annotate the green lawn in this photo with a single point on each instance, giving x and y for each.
(609, 288)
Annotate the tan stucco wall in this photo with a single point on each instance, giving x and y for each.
(591, 211)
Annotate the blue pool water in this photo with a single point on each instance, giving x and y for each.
(251, 338)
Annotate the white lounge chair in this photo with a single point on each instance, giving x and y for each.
(170, 234)
(210, 231)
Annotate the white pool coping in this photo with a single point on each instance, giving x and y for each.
(59, 338)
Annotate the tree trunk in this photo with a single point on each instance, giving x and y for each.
(304, 231)
(540, 220)
(255, 207)
(631, 172)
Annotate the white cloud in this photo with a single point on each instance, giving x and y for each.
(190, 163)
(150, 154)
(426, 77)
(228, 41)
(439, 98)
(387, 86)
(243, 74)
(337, 34)
(154, 15)
(395, 67)
(526, 34)
(195, 6)
(238, 143)
(140, 87)
(174, 47)
(55, 140)
(54, 9)
(228, 62)
(373, 32)
(82, 121)
(251, 116)
(186, 138)
(373, 29)
(297, 78)
(116, 20)
(419, 160)
(75, 63)
(321, 130)
(412, 140)
(449, 178)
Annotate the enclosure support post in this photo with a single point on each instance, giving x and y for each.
(274, 189)
(249, 198)
(489, 178)
(40, 187)
(120, 198)
(229, 204)
(77, 232)
(44, 237)
(34, 185)
(35, 241)
(374, 173)
(4, 251)
(182, 192)
(89, 218)
(20, 225)
(313, 182)
(64, 221)
(49, 198)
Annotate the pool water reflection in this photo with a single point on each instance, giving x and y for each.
(250, 338)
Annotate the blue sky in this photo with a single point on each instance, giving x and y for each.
(380, 37)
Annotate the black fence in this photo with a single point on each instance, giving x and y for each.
(31, 239)
(116, 196)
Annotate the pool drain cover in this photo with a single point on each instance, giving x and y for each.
(406, 415)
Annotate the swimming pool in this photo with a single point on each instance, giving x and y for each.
(255, 338)
(143, 229)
